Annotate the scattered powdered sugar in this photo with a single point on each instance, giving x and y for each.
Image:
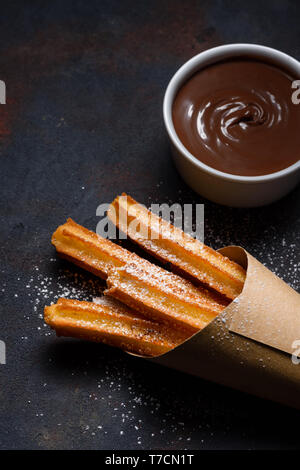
(45, 290)
(126, 400)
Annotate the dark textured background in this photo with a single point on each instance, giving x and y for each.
(83, 122)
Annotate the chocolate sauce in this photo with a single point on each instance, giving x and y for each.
(237, 116)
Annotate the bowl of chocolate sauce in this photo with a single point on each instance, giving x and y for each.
(232, 114)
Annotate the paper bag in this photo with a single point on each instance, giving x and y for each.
(249, 346)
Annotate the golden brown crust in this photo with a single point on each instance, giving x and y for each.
(111, 323)
(162, 295)
(88, 250)
(180, 304)
(187, 256)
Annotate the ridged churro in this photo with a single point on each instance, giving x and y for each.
(111, 323)
(186, 255)
(147, 288)
(163, 296)
(88, 250)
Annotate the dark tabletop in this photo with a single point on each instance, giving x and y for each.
(83, 122)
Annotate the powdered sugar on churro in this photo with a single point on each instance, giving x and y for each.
(43, 289)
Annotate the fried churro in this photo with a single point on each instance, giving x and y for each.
(141, 285)
(186, 255)
(111, 323)
(163, 296)
(88, 250)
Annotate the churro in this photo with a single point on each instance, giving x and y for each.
(163, 296)
(88, 250)
(98, 255)
(111, 323)
(186, 255)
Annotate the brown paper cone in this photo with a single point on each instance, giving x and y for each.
(248, 347)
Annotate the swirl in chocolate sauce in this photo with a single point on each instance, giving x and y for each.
(237, 116)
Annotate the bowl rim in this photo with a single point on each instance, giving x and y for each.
(207, 57)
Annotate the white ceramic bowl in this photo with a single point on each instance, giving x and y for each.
(220, 187)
